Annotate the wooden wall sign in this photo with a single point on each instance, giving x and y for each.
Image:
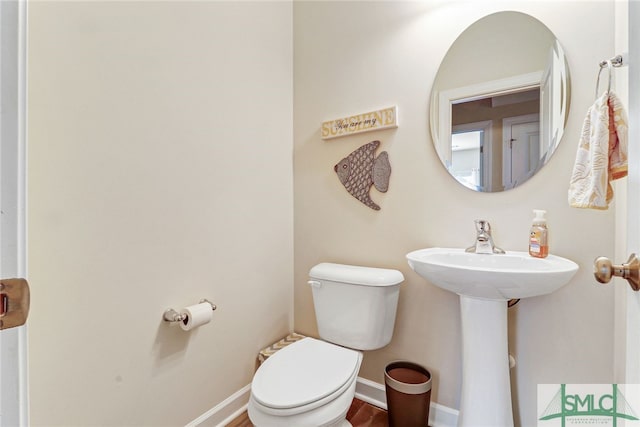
(365, 122)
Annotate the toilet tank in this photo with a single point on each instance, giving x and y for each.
(355, 306)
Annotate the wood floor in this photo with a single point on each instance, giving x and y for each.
(360, 414)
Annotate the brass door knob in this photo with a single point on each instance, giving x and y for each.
(14, 302)
(604, 270)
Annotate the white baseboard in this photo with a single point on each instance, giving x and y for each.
(371, 392)
(374, 393)
(366, 390)
(226, 411)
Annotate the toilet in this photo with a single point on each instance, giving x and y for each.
(312, 382)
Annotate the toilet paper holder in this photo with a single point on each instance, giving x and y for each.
(170, 315)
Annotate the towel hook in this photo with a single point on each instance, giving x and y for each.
(609, 66)
(616, 61)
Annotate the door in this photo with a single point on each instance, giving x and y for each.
(521, 148)
(627, 301)
(632, 356)
(13, 357)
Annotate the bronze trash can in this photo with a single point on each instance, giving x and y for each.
(408, 387)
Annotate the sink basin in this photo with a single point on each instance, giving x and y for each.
(492, 276)
(484, 282)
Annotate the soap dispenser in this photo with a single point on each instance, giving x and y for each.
(539, 235)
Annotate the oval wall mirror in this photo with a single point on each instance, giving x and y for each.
(500, 101)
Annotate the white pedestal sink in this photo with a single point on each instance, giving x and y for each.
(485, 282)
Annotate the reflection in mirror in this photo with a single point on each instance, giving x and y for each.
(500, 102)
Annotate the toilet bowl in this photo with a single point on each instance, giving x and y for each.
(312, 382)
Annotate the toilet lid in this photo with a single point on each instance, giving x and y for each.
(302, 373)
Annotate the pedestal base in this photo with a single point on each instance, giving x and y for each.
(486, 388)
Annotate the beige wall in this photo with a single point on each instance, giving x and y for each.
(160, 145)
(354, 57)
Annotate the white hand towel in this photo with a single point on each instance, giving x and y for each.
(602, 154)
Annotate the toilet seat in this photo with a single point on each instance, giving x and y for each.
(303, 376)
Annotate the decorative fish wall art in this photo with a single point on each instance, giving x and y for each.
(361, 169)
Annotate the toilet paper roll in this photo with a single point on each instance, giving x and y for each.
(196, 315)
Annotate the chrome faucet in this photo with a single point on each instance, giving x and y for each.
(484, 241)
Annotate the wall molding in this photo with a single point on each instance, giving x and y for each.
(371, 392)
(224, 412)
(375, 394)
(366, 390)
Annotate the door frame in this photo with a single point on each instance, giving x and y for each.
(440, 117)
(13, 96)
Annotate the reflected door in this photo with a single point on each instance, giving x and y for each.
(521, 149)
